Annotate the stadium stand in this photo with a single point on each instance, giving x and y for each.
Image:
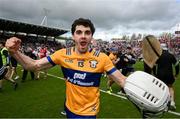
(15, 26)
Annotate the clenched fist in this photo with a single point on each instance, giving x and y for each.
(13, 44)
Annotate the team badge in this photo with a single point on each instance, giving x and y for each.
(93, 63)
(81, 63)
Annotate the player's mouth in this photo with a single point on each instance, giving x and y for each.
(83, 43)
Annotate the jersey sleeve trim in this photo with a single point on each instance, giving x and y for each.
(111, 71)
(50, 60)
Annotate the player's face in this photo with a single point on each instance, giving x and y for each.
(82, 37)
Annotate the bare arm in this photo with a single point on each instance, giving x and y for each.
(31, 64)
(28, 63)
(118, 78)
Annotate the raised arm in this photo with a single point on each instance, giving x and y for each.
(13, 45)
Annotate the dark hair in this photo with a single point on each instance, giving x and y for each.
(84, 22)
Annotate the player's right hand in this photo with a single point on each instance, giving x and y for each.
(13, 44)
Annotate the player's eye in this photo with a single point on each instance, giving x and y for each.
(78, 32)
(88, 32)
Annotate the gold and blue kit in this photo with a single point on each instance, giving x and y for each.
(82, 73)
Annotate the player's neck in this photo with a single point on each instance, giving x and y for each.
(80, 52)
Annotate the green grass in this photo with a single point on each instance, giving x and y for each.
(44, 98)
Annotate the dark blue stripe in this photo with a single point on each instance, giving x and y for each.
(50, 60)
(80, 78)
(111, 71)
(71, 115)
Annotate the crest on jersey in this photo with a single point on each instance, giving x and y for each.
(81, 63)
(93, 63)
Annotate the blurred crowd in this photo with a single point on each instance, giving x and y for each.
(104, 46)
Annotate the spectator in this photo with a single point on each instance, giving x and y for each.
(155, 54)
(125, 64)
(113, 57)
(165, 71)
(29, 52)
(5, 71)
(13, 68)
(42, 54)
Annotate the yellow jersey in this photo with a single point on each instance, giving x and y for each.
(113, 57)
(82, 73)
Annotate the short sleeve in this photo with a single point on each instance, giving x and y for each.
(108, 65)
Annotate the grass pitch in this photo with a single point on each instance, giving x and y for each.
(44, 98)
